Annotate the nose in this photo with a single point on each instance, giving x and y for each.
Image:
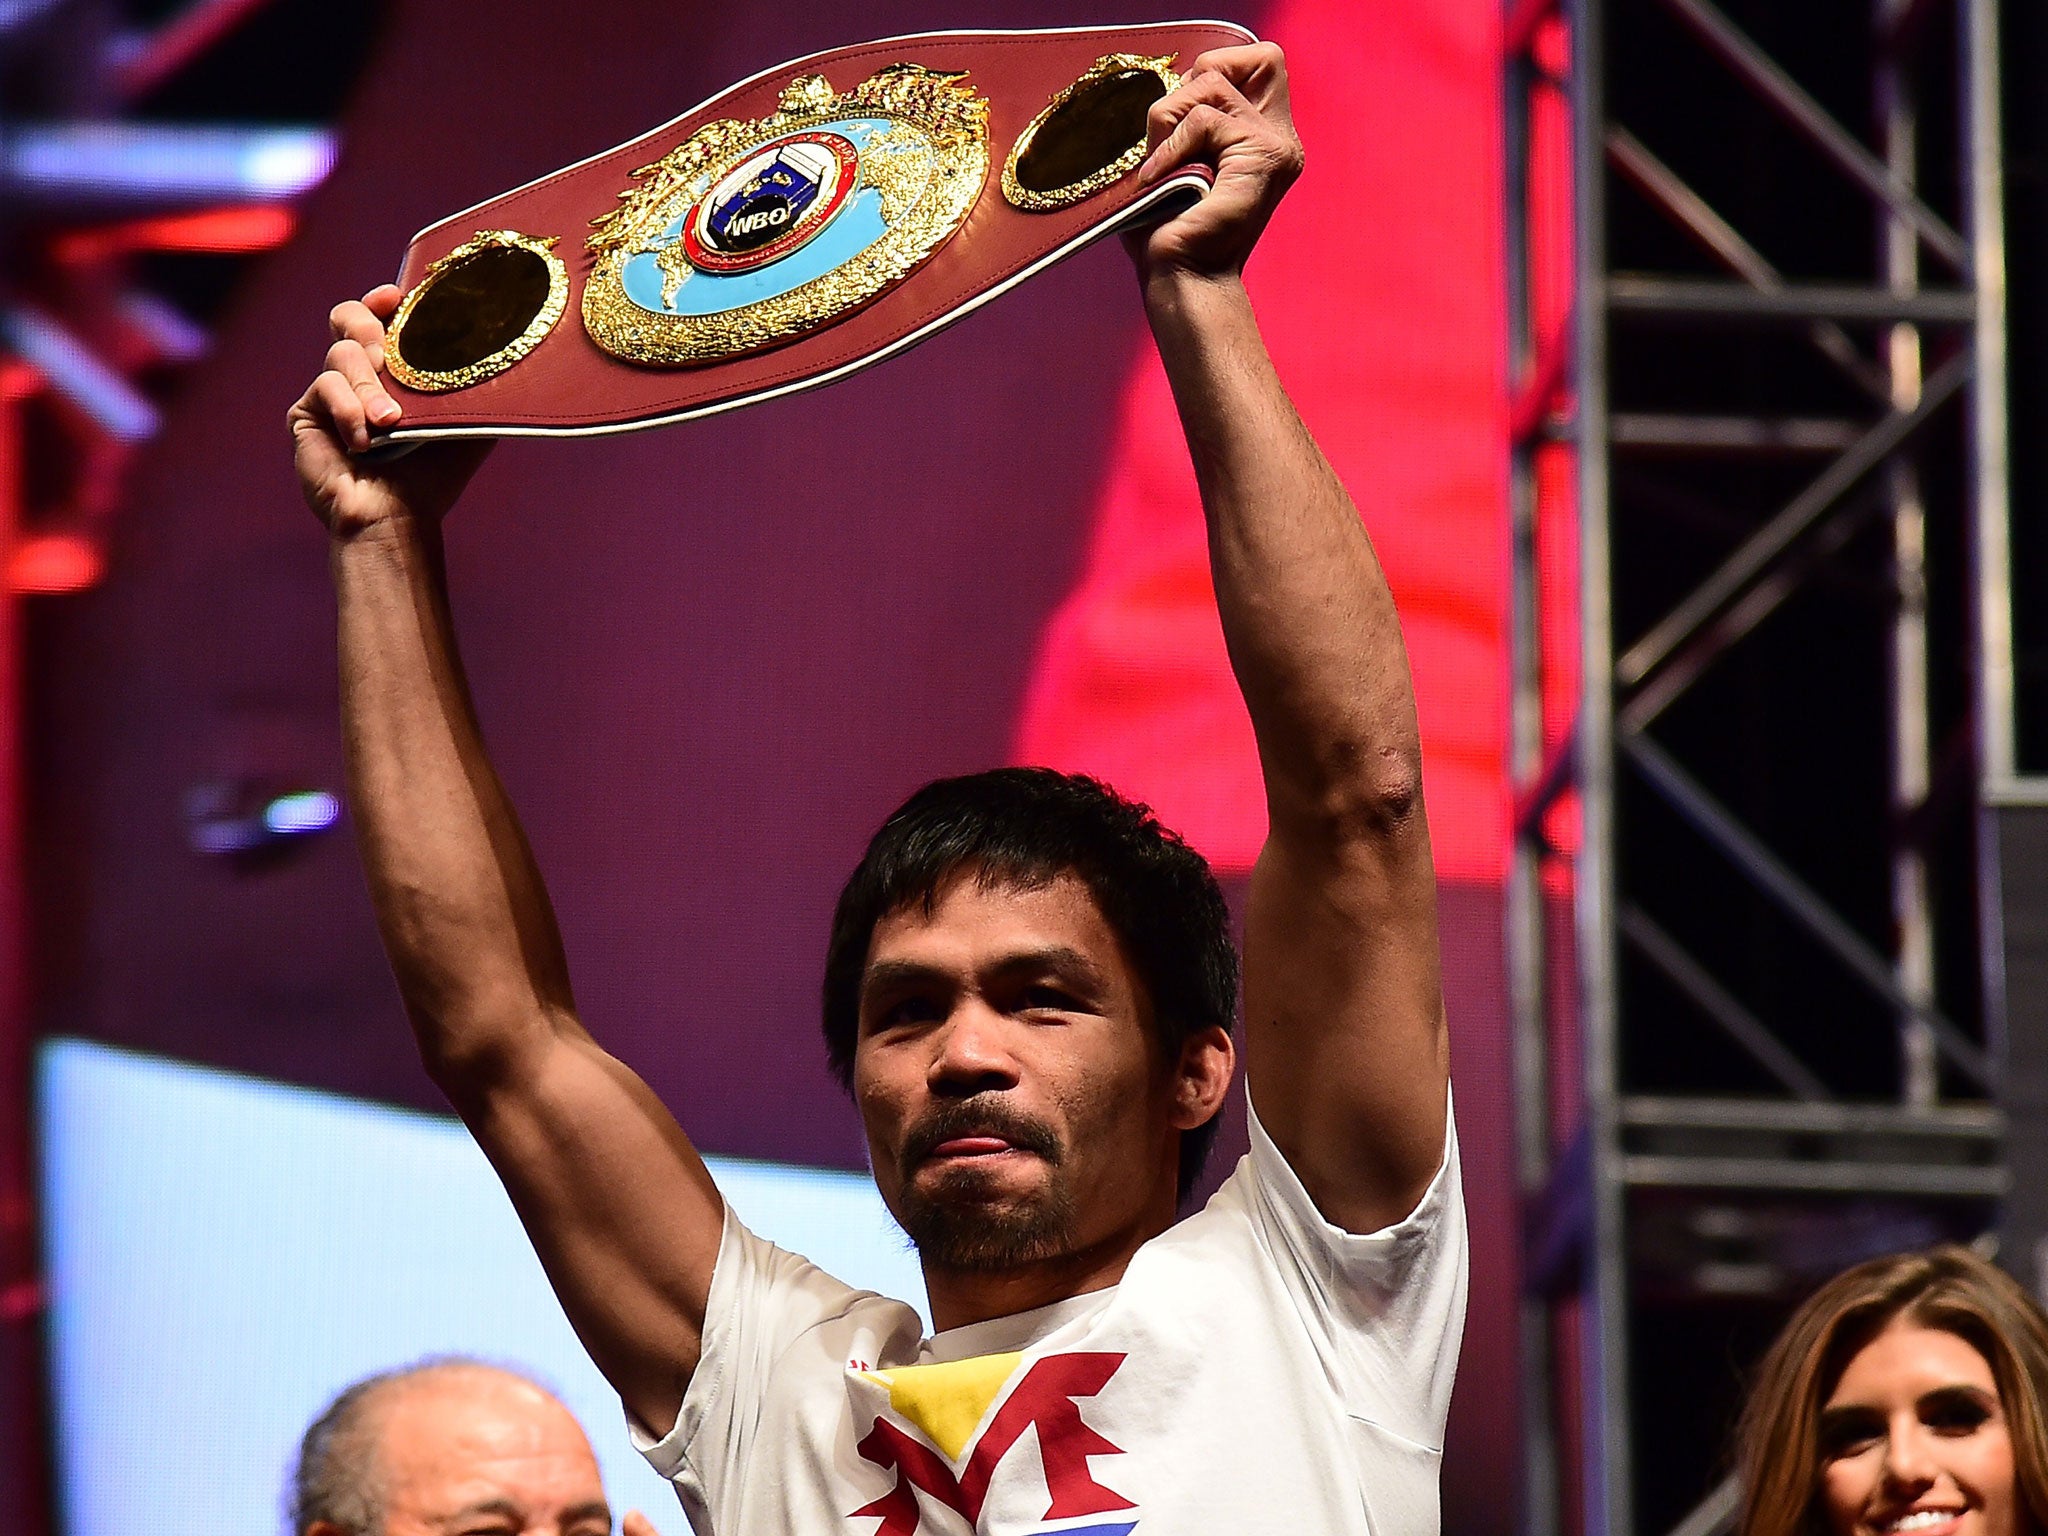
(973, 1054)
(1908, 1457)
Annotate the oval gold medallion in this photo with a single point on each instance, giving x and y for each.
(1091, 135)
(477, 311)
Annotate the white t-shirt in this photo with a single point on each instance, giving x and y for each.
(1256, 1370)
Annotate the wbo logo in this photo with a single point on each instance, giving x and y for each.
(947, 1402)
(772, 203)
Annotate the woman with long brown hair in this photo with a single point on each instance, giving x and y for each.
(1907, 1397)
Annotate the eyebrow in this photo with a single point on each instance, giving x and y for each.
(1956, 1391)
(1963, 1391)
(1057, 959)
(594, 1509)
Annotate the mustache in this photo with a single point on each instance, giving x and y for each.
(985, 1116)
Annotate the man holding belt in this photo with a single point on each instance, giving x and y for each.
(1029, 993)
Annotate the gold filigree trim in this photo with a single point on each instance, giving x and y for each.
(928, 166)
(503, 357)
(1108, 67)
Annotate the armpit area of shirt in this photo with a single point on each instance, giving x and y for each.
(1279, 1176)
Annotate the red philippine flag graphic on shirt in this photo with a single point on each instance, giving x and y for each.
(932, 1427)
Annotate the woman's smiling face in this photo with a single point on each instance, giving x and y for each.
(1914, 1441)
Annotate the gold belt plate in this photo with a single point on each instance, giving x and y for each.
(920, 138)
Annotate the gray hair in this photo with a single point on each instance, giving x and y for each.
(337, 1478)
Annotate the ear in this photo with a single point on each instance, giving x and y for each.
(1202, 1077)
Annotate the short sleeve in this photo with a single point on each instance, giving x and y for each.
(1387, 1308)
(763, 1299)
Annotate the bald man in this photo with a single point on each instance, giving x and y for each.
(446, 1447)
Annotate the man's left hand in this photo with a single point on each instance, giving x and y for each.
(1231, 113)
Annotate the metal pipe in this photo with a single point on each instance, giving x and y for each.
(1719, 1004)
(1953, 1122)
(1659, 430)
(1757, 552)
(1911, 754)
(1538, 792)
(1651, 1171)
(1714, 639)
(1525, 923)
(1795, 897)
(1681, 298)
(1990, 469)
(1761, 73)
(1608, 1489)
(1697, 217)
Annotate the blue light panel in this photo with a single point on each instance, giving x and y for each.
(224, 1254)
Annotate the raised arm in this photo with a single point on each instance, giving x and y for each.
(1345, 1044)
(619, 1206)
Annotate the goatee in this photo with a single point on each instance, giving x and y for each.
(961, 1223)
(972, 1237)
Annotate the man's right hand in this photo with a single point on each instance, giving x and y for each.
(332, 422)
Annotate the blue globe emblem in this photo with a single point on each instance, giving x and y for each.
(772, 203)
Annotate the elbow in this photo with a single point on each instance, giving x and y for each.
(465, 1067)
(1364, 794)
(1390, 800)
(475, 1049)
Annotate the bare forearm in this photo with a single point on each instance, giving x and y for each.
(621, 1209)
(459, 900)
(1344, 1030)
(1306, 612)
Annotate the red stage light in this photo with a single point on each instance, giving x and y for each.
(48, 564)
(211, 232)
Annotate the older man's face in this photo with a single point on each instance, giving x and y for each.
(479, 1454)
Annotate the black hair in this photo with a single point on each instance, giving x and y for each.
(1026, 827)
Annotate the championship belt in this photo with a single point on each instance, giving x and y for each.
(809, 221)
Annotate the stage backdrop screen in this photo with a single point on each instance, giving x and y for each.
(225, 1254)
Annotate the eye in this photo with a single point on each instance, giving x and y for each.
(1849, 1434)
(1047, 998)
(1954, 1413)
(902, 1012)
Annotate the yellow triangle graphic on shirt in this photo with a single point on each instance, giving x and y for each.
(947, 1401)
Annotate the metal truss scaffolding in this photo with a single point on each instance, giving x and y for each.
(1725, 425)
